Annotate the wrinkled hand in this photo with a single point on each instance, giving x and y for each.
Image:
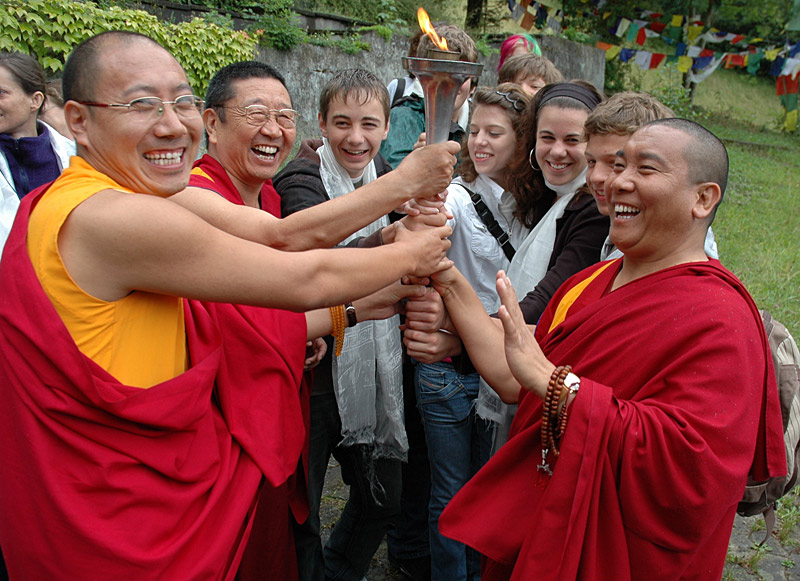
(427, 313)
(525, 359)
(386, 302)
(431, 347)
(428, 247)
(315, 351)
(429, 170)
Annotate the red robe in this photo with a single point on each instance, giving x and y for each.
(677, 403)
(263, 358)
(100, 480)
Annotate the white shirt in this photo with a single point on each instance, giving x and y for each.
(475, 252)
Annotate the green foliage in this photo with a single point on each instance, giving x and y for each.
(385, 32)
(49, 29)
(484, 47)
(277, 27)
(349, 44)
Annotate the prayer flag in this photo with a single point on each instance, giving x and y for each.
(791, 121)
(677, 20)
(622, 27)
(657, 60)
(642, 59)
(626, 54)
(633, 31)
(684, 63)
(613, 52)
(693, 33)
(527, 21)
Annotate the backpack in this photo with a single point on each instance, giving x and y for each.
(760, 497)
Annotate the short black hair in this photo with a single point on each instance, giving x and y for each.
(220, 88)
(706, 155)
(81, 69)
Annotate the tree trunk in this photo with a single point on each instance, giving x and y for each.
(474, 13)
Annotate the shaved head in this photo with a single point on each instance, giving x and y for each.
(705, 154)
(82, 70)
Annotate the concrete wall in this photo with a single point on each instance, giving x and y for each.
(307, 68)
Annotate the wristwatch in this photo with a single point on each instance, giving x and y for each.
(350, 311)
(572, 382)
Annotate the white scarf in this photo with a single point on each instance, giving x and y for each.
(368, 376)
(527, 268)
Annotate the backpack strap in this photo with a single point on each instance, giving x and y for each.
(495, 229)
(399, 89)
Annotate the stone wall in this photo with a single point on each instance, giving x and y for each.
(307, 68)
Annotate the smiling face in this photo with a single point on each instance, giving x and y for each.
(654, 205)
(491, 142)
(601, 151)
(354, 131)
(250, 154)
(145, 154)
(559, 144)
(17, 109)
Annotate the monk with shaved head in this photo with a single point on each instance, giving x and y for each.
(646, 395)
(130, 451)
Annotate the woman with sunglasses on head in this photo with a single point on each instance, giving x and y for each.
(458, 441)
(31, 152)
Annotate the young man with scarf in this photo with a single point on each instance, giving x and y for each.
(658, 387)
(356, 403)
(126, 427)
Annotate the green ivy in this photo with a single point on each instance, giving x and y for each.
(49, 29)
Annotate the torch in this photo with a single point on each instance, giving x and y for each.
(440, 74)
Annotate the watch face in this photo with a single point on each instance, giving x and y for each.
(572, 381)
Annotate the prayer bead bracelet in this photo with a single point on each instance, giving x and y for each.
(338, 327)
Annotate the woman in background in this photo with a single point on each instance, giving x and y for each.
(31, 152)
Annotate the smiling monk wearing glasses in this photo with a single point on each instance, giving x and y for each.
(131, 450)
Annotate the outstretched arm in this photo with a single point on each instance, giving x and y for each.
(378, 305)
(115, 243)
(424, 173)
(482, 336)
(526, 362)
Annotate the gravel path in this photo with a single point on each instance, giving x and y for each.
(777, 559)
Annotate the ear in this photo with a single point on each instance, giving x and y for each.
(36, 100)
(77, 118)
(708, 196)
(210, 121)
(386, 132)
(323, 127)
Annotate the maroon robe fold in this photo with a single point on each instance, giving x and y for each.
(677, 403)
(100, 480)
(266, 404)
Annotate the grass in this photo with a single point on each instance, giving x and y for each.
(758, 225)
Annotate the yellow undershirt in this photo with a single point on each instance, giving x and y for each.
(139, 339)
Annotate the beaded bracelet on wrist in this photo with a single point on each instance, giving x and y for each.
(338, 327)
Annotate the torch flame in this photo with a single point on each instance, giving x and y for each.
(427, 28)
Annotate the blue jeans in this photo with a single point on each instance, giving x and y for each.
(363, 523)
(458, 445)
